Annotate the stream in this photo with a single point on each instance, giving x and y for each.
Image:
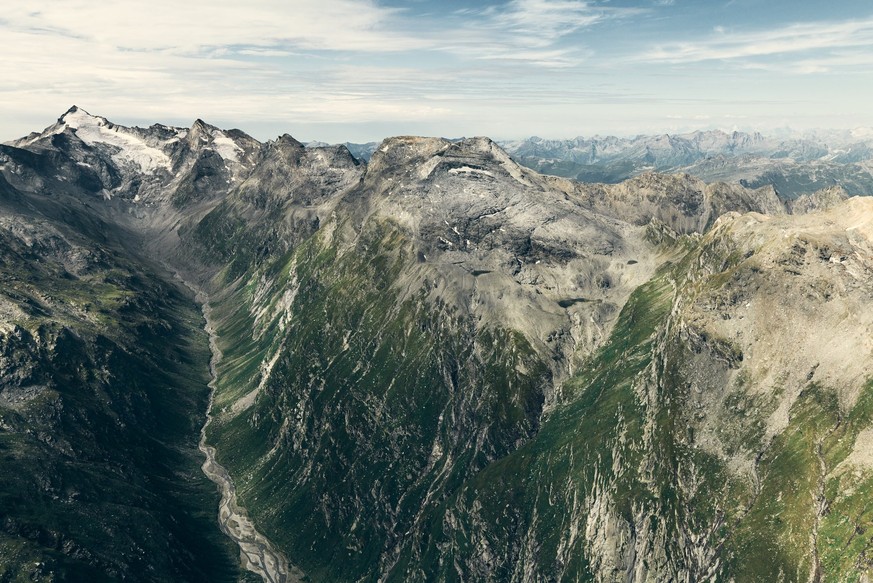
(257, 553)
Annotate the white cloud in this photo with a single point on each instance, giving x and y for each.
(280, 63)
(551, 58)
(220, 60)
(542, 21)
(282, 27)
(787, 40)
(836, 61)
(195, 25)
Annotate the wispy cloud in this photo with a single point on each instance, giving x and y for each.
(541, 22)
(541, 33)
(792, 40)
(522, 31)
(188, 27)
(550, 58)
(860, 61)
(198, 27)
(265, 59)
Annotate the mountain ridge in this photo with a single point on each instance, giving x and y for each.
(793, 163)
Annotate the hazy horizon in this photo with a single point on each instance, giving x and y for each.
(267, 133)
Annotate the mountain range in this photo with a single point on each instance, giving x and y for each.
(433, 364)
(793, 163)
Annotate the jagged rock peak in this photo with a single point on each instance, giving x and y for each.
(399, 151)
(340, 155)
(819, 200)
(410, 147)
(665, 182)
(200, 131)
(285, 147)
(422, 158)
(288, 140)
(485, 149)
(411, 143)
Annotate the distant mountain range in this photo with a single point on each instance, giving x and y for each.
(793, 163)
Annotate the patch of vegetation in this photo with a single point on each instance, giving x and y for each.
(810, 512)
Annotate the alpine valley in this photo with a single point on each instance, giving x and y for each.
(435, 365)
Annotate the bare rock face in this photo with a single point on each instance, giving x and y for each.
(793, 305)
(684, 203)
(742, 398)
(819, 200)
(504, 245)
(442, 365)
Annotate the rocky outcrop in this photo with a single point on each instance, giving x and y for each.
(820, 200)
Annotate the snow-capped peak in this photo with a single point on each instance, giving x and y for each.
(128, 147)
(76, 117)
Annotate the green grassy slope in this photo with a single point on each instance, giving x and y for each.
(377, 407)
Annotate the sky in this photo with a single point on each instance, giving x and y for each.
(362, 70)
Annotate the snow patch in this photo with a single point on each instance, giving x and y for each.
(468, 170)
(131, 149)
(226, 148)
(427, 168)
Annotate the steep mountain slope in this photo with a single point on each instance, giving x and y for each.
(411, 341)
(440, 365)
(731, 444)
(102, 392)
(326, 390)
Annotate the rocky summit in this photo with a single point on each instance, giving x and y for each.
(433, 365)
